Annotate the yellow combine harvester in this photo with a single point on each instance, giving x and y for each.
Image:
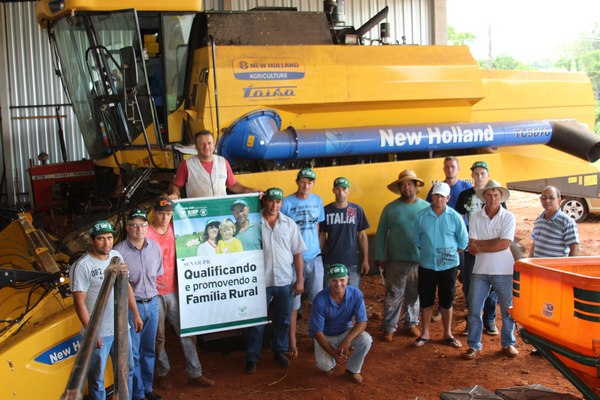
(282, 89)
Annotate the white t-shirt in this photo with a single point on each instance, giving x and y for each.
(87, 275)
(502, 226)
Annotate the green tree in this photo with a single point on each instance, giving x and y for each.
(460, 38)
(584, 55)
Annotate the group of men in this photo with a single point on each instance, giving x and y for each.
(322, 251)
(422, 246)
(149, 252)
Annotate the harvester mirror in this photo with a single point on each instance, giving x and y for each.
(128, 66)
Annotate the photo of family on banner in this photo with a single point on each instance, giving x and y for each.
(220, 273)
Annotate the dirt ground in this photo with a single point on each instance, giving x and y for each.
(392, 370)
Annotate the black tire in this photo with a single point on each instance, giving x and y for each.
(575, 208)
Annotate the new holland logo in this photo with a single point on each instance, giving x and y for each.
(265, 92)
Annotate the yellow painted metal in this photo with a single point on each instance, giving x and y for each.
(36, 320)
(342, 86)
(44, 14)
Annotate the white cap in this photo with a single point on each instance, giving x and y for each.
(441, 188)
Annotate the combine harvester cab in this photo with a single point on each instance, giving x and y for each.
(557, 303)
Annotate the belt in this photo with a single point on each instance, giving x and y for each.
(149, 299)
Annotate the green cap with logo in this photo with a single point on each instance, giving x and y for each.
(137, 213)
(241, 202)
(306, 173)
(341, 181)
(337, 271)
(101, 227)
(274, 193)
(479, 164)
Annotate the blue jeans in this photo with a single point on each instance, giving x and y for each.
(144, 347)
(98, 366)
(480, 288)
(361, 345)
(313, 280)
(401, 291)
(169, 310)
(279, 298)
(491, 302)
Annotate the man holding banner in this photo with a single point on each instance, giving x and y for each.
(282, 247)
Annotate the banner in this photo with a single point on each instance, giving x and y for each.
(220, 271)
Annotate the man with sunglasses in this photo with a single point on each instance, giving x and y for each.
(554, 234)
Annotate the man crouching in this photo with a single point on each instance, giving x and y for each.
(337, 341)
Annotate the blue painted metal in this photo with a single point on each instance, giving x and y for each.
(258, 136)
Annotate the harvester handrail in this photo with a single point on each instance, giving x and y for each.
(115, 274)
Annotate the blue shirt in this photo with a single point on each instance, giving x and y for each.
(144, 265)
(334, 319)
(251, 238)
(455, 191)
(439, 238)
(306, 213)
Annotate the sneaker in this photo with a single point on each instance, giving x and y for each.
(491, 329)
(354, 377)
(437, 315)
(471, 353)
(465, 332)
(388, 337)
(201, 381)
(164, 382)
(511, 351)
(281, 359)
(152, 396)
(413, 331)
(250, 367)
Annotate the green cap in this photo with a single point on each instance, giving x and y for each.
(239, 202)
(274, 193)
(213, 222)
(137, 213)
(101, 227)
(479, 164)
(337, 271)
(341, 181)
(306, 173)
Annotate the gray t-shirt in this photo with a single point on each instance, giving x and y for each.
(87, 275)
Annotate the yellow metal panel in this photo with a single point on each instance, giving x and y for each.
(43, 12)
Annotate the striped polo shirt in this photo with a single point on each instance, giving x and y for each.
(554, 236)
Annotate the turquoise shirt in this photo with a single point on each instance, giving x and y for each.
(393, 241)
(439, 238)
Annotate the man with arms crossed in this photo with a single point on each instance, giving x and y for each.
(491, 231)
(467, 205)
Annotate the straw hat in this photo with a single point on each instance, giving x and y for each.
(406, 175)
(492, 184)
